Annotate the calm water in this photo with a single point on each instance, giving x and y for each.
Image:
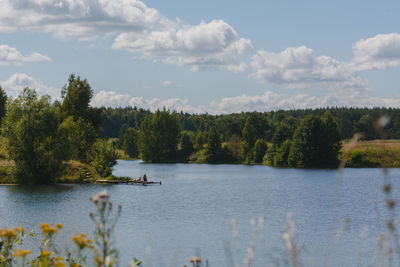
(190, 213)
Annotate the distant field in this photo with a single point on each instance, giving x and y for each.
(374, 153)
(392, 144)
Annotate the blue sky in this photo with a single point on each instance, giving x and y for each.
(206, 56)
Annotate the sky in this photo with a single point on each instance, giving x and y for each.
(206, 56)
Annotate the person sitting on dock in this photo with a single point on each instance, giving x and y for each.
(144, 178)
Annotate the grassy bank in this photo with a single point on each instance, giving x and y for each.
(374, 154)
(74, 172)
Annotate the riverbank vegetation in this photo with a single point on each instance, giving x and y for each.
(41, 137)
(255, 137)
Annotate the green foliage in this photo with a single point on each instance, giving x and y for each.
(158, 137)
(31, 129)
(249, 134)
(214, 150)
(282, 154)
(3, 102)
(103, 157)
(78, 137)
(283, 132)
(129, 142)
(366, 126)
(315, 143)
(234, 147)
(260, 148)
(270, 155)
(360, 159)
(76, 97)
(186, 145)
(200, 140)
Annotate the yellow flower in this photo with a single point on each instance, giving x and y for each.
(46, 253)
(59, 225)
(44, 225)
(11, 233)
(59, 258)
(60, 263)
(18, 229)
(52, 230)
(21, 253)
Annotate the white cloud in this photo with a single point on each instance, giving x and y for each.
(110, 99)
(82, 19)
(10, 55)
(300, 67)
(274, 101)
(18, 81)
(140, 29)
(166, 83)
(379, 52)
(200, 46)
(266, 102)
(113, 99)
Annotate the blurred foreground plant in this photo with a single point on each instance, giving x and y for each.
(100, 252)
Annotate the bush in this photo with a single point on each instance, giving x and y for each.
(103, 158)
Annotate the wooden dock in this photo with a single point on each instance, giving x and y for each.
(131, 182)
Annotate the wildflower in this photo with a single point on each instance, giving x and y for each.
(44, 225)
(60, 264)
(10, 233)
(46, 253)
(19, 229)
(102, 195)
(59, 225)
(21, 253)
(59, 258)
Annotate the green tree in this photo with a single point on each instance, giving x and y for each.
(366, 126)
(31, 129)
(331, 142)
(314, 143)
(122, 130)
(76, 97)
(282, 154)
(158, 137)
(249, 134)
(200, 140)
(78, 136)
(283, 132)
(249, 138)
(3, 102)
(214, 150)
(103, 157)
(186, 146)
(346, 126)
(260, 148)
(129, 142)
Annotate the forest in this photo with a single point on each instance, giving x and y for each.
(276, 138)
(41, 137)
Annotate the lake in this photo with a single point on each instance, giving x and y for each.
(191, 212)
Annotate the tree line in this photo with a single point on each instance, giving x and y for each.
(41, 134)
(295, 138)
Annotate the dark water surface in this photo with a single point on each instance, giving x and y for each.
(190, 213)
